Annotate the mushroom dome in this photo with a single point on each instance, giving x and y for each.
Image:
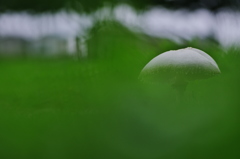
(187, 64)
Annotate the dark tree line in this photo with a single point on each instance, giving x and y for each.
(89, 5)
(212, 5)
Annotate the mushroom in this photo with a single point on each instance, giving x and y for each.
(179, 67)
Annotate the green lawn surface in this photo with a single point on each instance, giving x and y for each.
(62, 108)
(97, 108)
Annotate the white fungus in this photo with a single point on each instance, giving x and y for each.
(180, 66)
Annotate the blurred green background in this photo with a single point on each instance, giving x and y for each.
(93, 106)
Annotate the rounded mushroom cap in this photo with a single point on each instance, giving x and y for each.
(185, 64)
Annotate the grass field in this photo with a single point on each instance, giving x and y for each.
(62, 108)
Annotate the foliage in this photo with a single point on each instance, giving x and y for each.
(86, 5)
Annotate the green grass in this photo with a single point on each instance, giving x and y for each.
(97, 108)
(69, 109)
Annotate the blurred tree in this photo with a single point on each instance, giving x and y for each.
(86, 5)
(208, 4)
(111, 40)
(124, 51)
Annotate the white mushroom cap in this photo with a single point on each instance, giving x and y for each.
(185, 64)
